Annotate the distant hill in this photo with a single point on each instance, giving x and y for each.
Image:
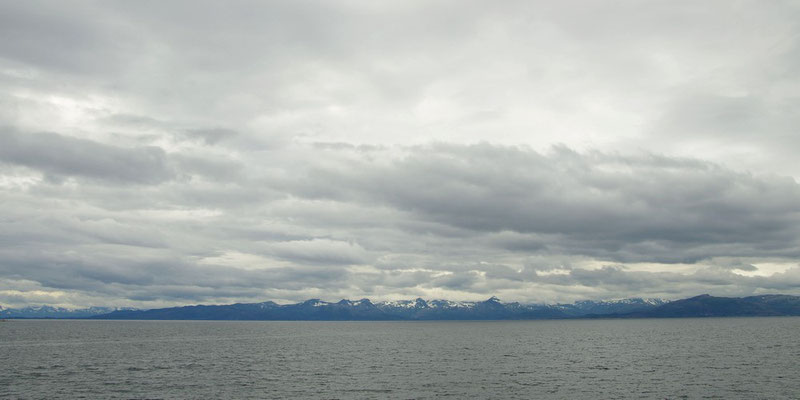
(53, 312)
(710, 306)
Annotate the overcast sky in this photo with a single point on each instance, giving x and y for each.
(160, 153)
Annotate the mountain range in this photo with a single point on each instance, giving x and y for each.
(420, 309)
(55, 312)
(710, 306)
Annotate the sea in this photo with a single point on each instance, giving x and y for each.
(715, 358)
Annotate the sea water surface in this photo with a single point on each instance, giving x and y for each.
(724, 358)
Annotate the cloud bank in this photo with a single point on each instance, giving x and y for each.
(165, 154)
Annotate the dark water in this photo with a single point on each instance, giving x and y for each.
(682, 358)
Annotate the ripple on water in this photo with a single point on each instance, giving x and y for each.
(722, 358)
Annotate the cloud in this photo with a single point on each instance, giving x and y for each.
(627, 209)
(320, 251)
(63, 156)
(457, 220)
(57, 39)
(199, 152)
(210, 135)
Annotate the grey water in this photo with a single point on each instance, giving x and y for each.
(723, 358)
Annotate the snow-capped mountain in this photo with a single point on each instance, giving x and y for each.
(414, 309)
(421, 309)
(420, 303)
(620, 306)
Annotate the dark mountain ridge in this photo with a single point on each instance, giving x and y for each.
(45, 312)
(491, 309)
(710, 306)
(420, 309)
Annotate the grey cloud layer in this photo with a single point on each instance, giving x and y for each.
(677, 77)
(59, 155)
(645, 208)
(162, 153)
(471, 219)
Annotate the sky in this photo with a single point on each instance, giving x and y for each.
(158, 153)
